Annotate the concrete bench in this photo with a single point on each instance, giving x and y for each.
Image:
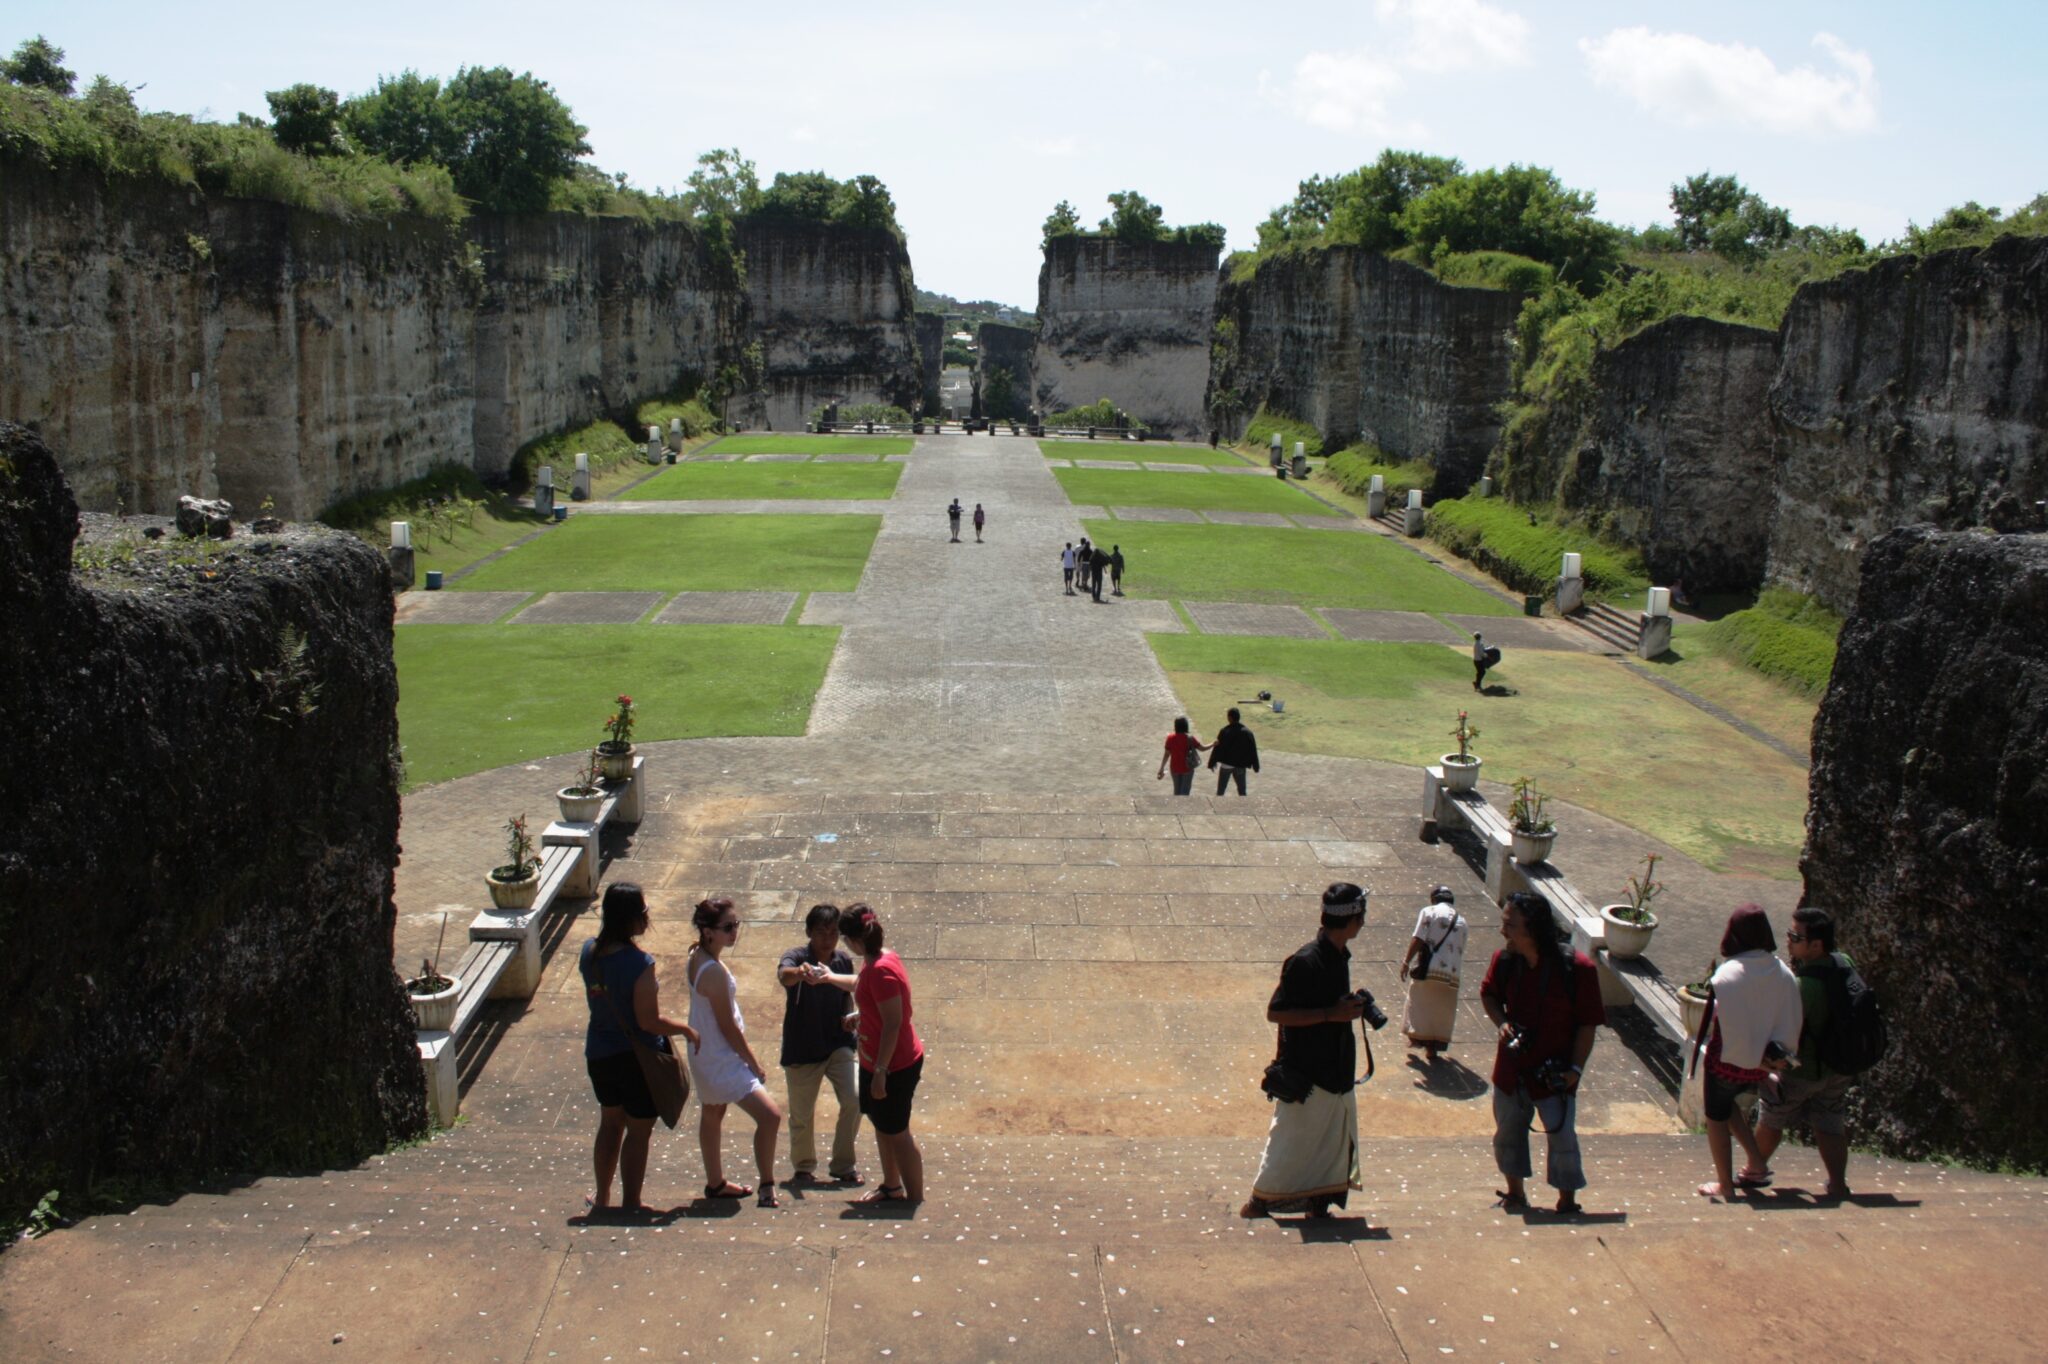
(1622, 982)
(504, 959)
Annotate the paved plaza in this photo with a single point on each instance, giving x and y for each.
(1091, 959)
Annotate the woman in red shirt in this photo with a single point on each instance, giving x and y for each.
(1181, 748)
(891, 1057)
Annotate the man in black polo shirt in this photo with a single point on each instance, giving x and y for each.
(1312, 1150)
(817, 1045)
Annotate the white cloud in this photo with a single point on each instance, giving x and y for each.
(1344, 91)
(1691, 81)
(1456, 35)
(1051, 146)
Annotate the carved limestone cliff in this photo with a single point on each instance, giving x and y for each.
(1011, 350)
(834, 311)
(1667, 448)
(1927, 836)
(196, 855)
(1358, 345)
(1129, 322)
(1916, 390)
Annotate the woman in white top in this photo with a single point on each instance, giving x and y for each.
(1436, 955)
(1755, 1017)
(725, 1068)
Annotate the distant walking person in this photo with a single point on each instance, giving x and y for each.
(1484, 656)
(891, 1058)
(619, 985)
(1235, 750)
(1116, 570)
(953, 516)
(1181, 748)
(980, 520)
(726, 1070)
(817, 1045)
(1431, 966)
(1097, 562)
(1067, 567)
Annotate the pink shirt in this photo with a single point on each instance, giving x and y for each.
(884, 978)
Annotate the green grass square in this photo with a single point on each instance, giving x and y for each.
(1196, 492)
(673, 553)
(1274, 564)
(475, 697)
(728, 482)
(795, 443)
(1151, 452)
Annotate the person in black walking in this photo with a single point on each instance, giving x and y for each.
(1116, 570)
(1234, 750)
(953, 516)
(1097, 562)
(1482, 658)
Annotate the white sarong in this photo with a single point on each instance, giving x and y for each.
(1312, 1149)
(1432, 1010)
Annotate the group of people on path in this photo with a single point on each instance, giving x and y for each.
(1235, 751)
(851, 1027)
(953, 518)
(1089, 565)
(1779, 1032)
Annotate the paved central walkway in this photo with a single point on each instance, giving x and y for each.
(1091, 960)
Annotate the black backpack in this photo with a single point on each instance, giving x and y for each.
(1857, 1038)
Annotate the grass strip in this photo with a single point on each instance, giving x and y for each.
(602, 553)
(738, 482)
(1194, 492)
(1786, 636)
(1525, 550)
(796, 443)
(475, 697)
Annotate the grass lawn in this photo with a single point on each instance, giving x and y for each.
(1151, 452)
(736, 481)
(474, 697)
(796, 443)
(1587, 730)
(1774, 707)
(686, 554)
(1273, 564)
(1197, 492)
(496, 526)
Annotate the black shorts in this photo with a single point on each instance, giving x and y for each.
(891, 1116)
(1720, 1096)
(618, 1083)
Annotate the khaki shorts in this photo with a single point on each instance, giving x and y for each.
(1818, 1104)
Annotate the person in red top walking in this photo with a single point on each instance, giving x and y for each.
(1181, 748)
(891, 1057)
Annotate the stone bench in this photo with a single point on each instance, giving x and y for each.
(1631, 981)
(504, 960)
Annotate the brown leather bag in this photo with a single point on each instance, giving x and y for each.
(666, 1078)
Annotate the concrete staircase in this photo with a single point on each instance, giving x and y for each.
(1617, 629)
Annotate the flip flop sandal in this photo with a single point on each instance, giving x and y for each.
(1512, 1202)
(767, 1197)
(883, 1193)
(727, 1190)
(1746, 1180)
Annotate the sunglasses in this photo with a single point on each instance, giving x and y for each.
(1798, 937)
(732, 927)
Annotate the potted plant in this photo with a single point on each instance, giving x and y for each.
(1461, 769)
(616, 753)
(1692, 999)
(433, 995)
(1630, 924)
(515, 884)
(1532, 831)
(581, 799)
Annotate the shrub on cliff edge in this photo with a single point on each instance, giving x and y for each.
(1265, 424)
(1525, 551)
(1352, 469)
(1786, 635)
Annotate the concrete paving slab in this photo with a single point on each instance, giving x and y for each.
(1523, 632)
(588, 608)
(1247, 518)
(988, 1301)
(646, 1298)
(778, 459)
(842, 457)
(1402, 627)
(1106, 464)
(1312, 1302)
(1253, 618)
(727, 608)
(1176, 468)
(1343, 523)
(829, 608)
(455, 608)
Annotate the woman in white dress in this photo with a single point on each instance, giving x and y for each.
(725, 1068)
(1431, 966)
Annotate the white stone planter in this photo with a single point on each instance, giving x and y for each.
(518, 894)
(436, 1012)
(1626, 939)
(1692, 1008)
(578, 809)
(616, 760)
(1532, 848)
(1460, 774)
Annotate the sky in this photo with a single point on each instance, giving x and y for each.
(1865, 115)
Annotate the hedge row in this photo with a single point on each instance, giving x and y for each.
(1525, 551)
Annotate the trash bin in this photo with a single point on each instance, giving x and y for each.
(1532, 606)
(433, 580)
(561, 512)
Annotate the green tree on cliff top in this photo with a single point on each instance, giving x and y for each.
(403, 120)
(723, 185)
(40, 63)
(512, 140)
(1063, 221)
(306, 119)
(1134, 218)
